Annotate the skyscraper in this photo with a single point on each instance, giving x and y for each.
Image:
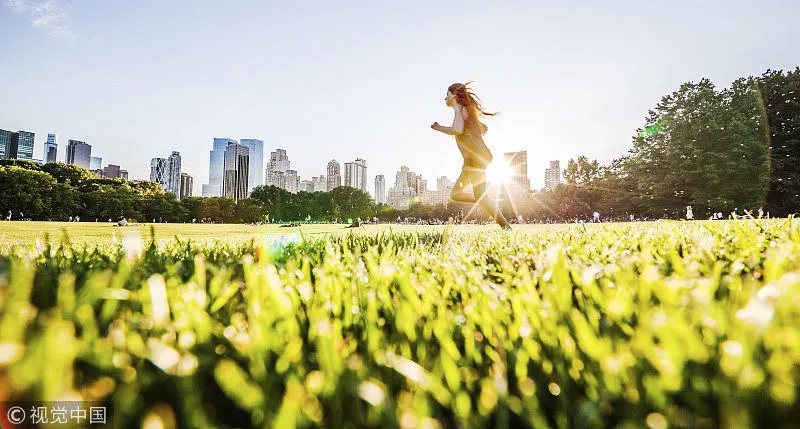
(187, 183)
(362, 180)
(172, 174)
(237, 166)
(355, 174)
(518, 164)
(22, 145)
(5, 143)
(50, 149)
(96, 163)
(444, 184)
(277, 167)
(291, 181)
(17, 145)
(216, 167)
(407, 178)
(256, 148)
(552, 175)
(380, 189)
(158, 167)
(406, 189)
(79, 153)
(167, 173)
(334, 176)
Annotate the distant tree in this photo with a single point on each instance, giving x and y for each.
(701, 147)
(192, 206)
(780, 93)
(582, 171)
(95, 183)
(301, 205)
(164, 206)
(67, 173)
(26, 191)
(218, 209)
(110, 201)
(64, 202)
(22, 163)
(269, 196)
(145, 188)
(249, 210)
(351, 203)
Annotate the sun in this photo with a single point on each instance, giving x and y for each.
(498, 172)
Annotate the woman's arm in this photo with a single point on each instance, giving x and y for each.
(455, 129)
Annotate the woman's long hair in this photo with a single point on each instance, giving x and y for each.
(465, 97)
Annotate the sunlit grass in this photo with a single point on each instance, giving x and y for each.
(667, 324)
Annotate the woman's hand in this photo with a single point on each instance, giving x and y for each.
(435, 126)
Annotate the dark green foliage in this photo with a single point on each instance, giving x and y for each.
(780, 94)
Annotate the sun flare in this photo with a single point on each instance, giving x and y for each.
(498, 172)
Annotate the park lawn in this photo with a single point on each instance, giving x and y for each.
(661, 324)
(22, 233)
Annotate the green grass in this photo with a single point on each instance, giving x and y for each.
(667, 324)
(103, 232)
(26, 233)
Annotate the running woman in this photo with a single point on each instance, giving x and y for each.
(469, 132)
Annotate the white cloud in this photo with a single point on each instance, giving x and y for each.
(50, 15)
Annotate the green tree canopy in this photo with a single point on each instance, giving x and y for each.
(67, 173)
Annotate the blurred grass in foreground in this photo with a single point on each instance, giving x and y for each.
(674, 324)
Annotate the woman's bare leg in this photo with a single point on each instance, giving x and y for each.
(458, 194)
(479, 185)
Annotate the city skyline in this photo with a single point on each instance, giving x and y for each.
(515, 165)
(567, 80)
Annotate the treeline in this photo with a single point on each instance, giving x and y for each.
(58, 192)
(737, 148)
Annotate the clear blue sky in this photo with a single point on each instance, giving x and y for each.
(332, 79)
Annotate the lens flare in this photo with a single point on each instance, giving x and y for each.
(272, 246)
(498, 173)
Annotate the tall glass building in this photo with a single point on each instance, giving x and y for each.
(96, 163)
(216, 167)
(187, 183)
(22, 145)
(380, 189)
(237, 166)
(172, 179)
(5, 143)
(50, 149)
(17, 145)
(79, 153)
(158, 167)
(256, 176)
